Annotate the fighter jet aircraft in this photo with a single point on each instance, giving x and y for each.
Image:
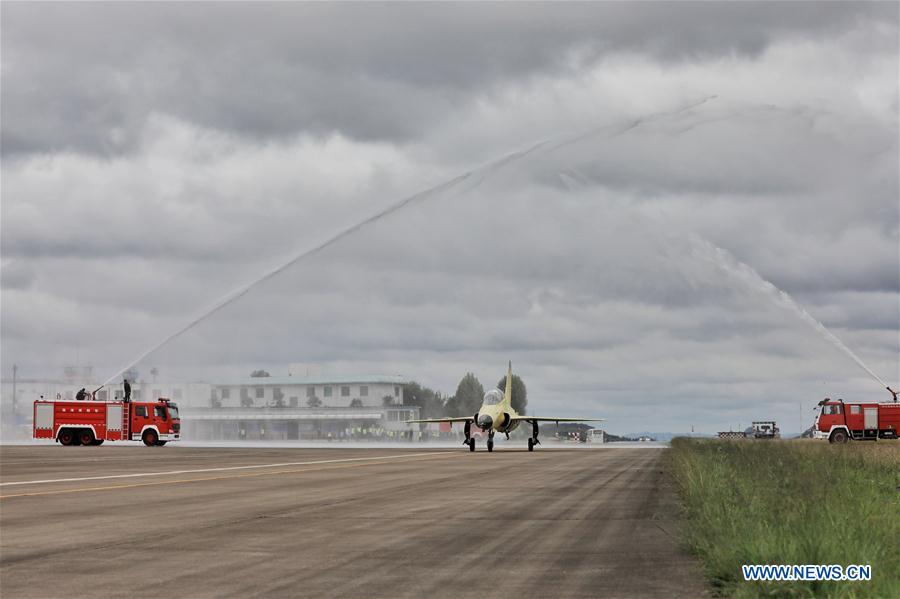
(497, 415)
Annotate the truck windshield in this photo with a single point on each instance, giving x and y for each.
(173, 412)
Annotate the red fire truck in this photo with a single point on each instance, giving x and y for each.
(93, 422)
(840, 422)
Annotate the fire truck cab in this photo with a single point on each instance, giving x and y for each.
(840, 422)
(93, 422)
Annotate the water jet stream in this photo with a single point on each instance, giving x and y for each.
(483, 171)
(474, 177)
(746, 273)
(725, 260)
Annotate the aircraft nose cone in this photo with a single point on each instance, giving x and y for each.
(485, 421)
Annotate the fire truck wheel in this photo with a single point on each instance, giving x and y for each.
(161, 443)
(86, 437)
(66, 437)
(150, 438)
(839, 436)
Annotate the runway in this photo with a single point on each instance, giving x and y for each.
(286, 522)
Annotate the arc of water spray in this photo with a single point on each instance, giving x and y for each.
(458, 181)
(484, 170)
(728, 262)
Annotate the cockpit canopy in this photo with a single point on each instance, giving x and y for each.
(493, 397)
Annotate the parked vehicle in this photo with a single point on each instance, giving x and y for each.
(765, 430)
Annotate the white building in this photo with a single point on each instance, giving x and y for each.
(310, 391)
(303, 407)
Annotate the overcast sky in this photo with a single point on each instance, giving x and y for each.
(155, 157)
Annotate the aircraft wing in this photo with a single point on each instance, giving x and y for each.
(458, 419)
(551, 419)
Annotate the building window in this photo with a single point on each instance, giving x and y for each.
(176, 394)
(260, 393)
(226, 393)
(103, 395)
(399, 415)
(363, 390)
(345, 391)
(396, 391)
(136, 394)
(310, 392)
(327, 391)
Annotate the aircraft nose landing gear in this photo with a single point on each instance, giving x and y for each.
(469, 440)
(490, 443)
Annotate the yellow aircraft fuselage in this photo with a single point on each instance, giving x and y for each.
(496, 412)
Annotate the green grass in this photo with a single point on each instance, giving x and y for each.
(791, 502)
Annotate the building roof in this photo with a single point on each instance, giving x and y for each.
(285, 381)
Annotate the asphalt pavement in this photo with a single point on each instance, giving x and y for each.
(118, 521)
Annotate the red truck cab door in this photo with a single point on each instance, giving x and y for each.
(161, 419)
(140, 418)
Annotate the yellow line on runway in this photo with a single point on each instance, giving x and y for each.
(197, 480)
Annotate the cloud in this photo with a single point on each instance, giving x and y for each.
(86, 77)
(161, 156)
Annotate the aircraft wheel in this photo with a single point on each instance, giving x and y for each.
(530, 444)
(490, 445)
(471, 444)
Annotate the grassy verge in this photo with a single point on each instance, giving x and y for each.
(792, 502)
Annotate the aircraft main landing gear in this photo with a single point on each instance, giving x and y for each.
(467, 429)
(490, 443)
(533, 440)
